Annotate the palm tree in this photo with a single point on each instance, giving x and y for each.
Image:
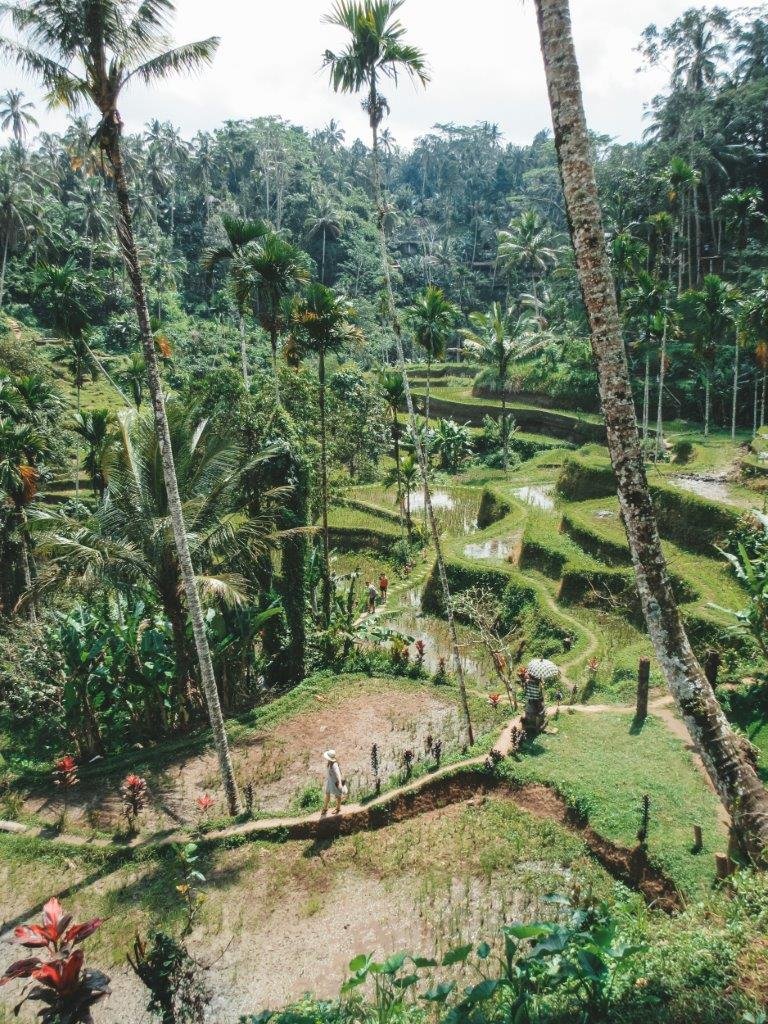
(22, 449)
(393, 386)
(264, 274)
(17, 115)
(328, 222)
(754, 328)
(708, 318)
(90, 50)
(527, 243)
(95, 428)
(376, 50)
(19, 212)
(324, 322)
(88, 205)
(239, 233)
(643, 301)
(432, 318)
(724, 756)
(134, 374)
(500, 338)
(128, 540)
(406, 482)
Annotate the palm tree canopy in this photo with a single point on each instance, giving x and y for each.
(432, 318)
(264, 272)
(376, 47)
(324, 319)
(16, 114)
(91, 49)
(499, 338)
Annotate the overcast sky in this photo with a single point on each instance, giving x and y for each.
(483, 54)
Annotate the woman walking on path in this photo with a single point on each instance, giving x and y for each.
(334, 784)
(383, 587)
(372, 595)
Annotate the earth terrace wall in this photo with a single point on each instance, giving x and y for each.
(564, 426)
(692, 522)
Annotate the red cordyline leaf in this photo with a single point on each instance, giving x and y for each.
(21, 969)
(32, 936)
(205, 802)
(80, 932)
(61, 975)
(66, 764)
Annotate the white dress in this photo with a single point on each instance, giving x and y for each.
(333, 779)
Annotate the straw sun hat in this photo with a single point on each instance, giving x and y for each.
(330, 755)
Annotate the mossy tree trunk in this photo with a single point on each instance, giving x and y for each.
(111, 143)
(723, 754)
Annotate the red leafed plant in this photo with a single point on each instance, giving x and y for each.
(421, 653)
(205, 803)
(65, 775)
(494, 699)
(134, 794)
(65, 988)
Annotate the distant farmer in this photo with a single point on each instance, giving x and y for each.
(372, 595)
(538, 672)
(334, 783)
(383, 587)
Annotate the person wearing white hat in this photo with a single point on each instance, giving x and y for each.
(334, 784)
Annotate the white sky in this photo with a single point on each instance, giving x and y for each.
(484, 58)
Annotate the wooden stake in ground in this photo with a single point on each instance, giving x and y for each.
(643, 682)
(733, 776)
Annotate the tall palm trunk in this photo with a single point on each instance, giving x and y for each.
(244, 354)
(324, 495)
(273, 345)
(660, 399)
(504, 438)
(723, 754)
(735, 398)
(3, 265)
(26, 571)
(707, 393)
(112, 129)
(322, 261)
(397, 330)
(646, 393)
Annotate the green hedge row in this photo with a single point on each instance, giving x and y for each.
(688, 520)
(371, 509)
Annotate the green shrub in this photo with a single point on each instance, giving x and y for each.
(682, 451)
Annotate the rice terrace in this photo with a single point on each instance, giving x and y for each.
(383, 525)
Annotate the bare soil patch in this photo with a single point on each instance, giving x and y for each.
(281, 763)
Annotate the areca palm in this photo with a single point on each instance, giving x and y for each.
(327, 221)
(22, 449)
(393, 386)
(17, 115)
(376, 50)
(500, 338)
(90, 50)
(264, 274)
(239, 233)
(406, 481)
(324, 322)
(708, 317)
(95, 428)
(19, 212)
(432, 318)
(643, 301)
